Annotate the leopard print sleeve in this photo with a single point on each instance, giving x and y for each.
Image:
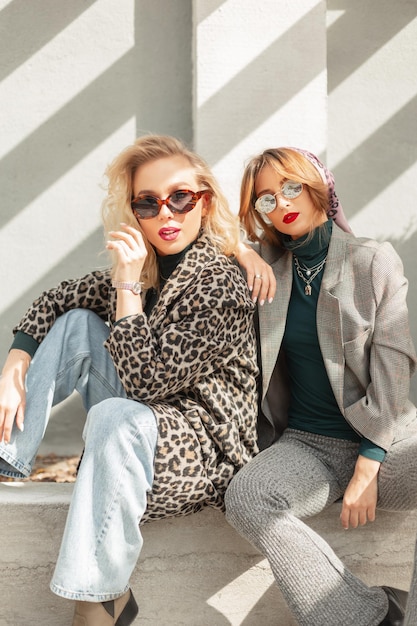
(207, 329)
(89, 292)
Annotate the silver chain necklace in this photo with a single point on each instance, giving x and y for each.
(310, 273)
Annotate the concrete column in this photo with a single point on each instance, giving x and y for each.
(260, 81)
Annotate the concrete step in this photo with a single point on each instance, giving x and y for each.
(194, 570)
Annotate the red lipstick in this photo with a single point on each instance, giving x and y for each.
(290, 217)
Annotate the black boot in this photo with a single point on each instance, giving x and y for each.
(119, 612)
(396, 609)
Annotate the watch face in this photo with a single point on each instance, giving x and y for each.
(137, 288)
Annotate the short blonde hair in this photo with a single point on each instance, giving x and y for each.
(287, 163)
(219, 223)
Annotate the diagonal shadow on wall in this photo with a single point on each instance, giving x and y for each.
(207, 8)
(365, 29)
(255, 82)
(68, 267)
(20, 39)
(67, 137)
(106, 104)
(383, 166)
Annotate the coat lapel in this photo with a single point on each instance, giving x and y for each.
(201, 253)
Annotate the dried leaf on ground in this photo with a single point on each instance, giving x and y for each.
(51, 468)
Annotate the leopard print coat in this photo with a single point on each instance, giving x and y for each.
(193, 361)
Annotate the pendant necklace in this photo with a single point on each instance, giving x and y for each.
(162, 277)
(310, 273)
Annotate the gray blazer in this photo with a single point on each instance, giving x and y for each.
(363, 331)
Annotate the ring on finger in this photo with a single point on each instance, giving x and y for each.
(258, 276)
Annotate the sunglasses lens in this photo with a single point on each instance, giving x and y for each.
(290, 189)
(266, 203)
(182, 201)
(145, 207)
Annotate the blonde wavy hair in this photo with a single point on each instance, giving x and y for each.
(288, 164)
(219, 223)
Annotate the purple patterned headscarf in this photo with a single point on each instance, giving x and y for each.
(335, 211)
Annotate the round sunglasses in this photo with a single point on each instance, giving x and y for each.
(290, 189)
(180, 201)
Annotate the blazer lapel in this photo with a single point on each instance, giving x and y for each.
(272, 317)
(329, 319)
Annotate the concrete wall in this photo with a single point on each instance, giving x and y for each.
(260, 80)
(80, 79)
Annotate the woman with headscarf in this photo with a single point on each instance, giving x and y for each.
(335, 419)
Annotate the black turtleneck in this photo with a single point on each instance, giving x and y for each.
(166, 265)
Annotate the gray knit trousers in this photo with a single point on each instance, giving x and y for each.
(298, 477)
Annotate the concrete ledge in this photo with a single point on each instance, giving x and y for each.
(194, 570)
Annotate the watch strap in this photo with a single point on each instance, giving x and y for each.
(135, 287)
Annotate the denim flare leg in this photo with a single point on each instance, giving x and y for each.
(102, 540)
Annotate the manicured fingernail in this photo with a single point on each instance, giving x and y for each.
(21, 427)
(254, 300)
(262, 302)
(250, 287)
(270, 300)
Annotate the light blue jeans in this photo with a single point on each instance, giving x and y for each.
(102, 539)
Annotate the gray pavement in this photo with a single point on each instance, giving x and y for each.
(63, 435)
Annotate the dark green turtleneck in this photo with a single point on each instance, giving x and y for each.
(313, 407)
